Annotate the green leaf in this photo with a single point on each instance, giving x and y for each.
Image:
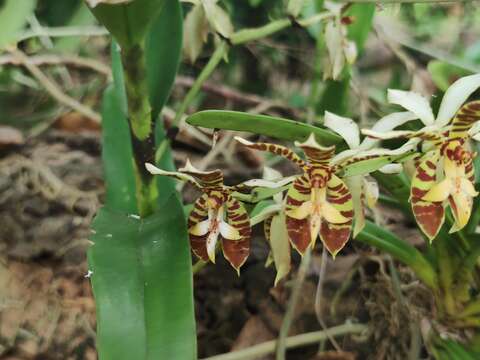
(385, 240)
(127, 22)
(335, 95)
(118, 78)
(262, 125)
(367, 166)
(142, 282)
(398, 186)
(163, 50)
(117, 156)
(13, 17)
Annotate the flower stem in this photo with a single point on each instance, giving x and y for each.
(292, 304)
(291, 342)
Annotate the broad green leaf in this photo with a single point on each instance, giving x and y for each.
(398, 186)
(260, 207)
(13, 17)
(335, 95)
(366, 166)
(163, 50)
(117, 156)
(164, 46)
(118, 78)
(386, 241)
(127, 21)
(262, 125)
(142, 283)
(362, 15)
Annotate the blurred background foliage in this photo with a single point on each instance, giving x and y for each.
(407, 43)
(424, 47)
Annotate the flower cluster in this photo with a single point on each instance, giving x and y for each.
(328, 197)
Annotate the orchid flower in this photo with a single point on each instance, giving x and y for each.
(318, 203)
(341, 50)
(418, 105)
(275, 228)
(445, 174)
(365, 191)
(216, 215)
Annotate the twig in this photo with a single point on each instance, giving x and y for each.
(233, 94)
(50, 59)
(291, 342)
(53, 89)
(319, 297)
(206, 72)
(64, 31)
(292, 304)
(241, 37)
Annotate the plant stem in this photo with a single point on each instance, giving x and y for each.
(292, 304)
(246, 35)
(204, 75)
(64, 31)
(291, 342)
(139, 116)
(238, 38)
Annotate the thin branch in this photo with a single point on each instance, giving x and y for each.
(64, 31)
(53, 89)
(268, 347)
(50, 59)
(216, 58)
(319, 298)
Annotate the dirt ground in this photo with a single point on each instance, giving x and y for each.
(50, 188)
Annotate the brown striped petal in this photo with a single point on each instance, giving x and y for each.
(236, 251)
(298, 229)
(198, 214)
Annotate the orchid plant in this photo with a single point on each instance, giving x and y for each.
(331, 193)
(140, 249)
(444, 172)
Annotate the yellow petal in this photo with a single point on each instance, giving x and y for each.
(450, 168)
(463, 209)
(301, 212)
(467, 186)
(212, 244)
(229, 232)
(315, 225)
(332, 215)
(439, 192)
(200, 229)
